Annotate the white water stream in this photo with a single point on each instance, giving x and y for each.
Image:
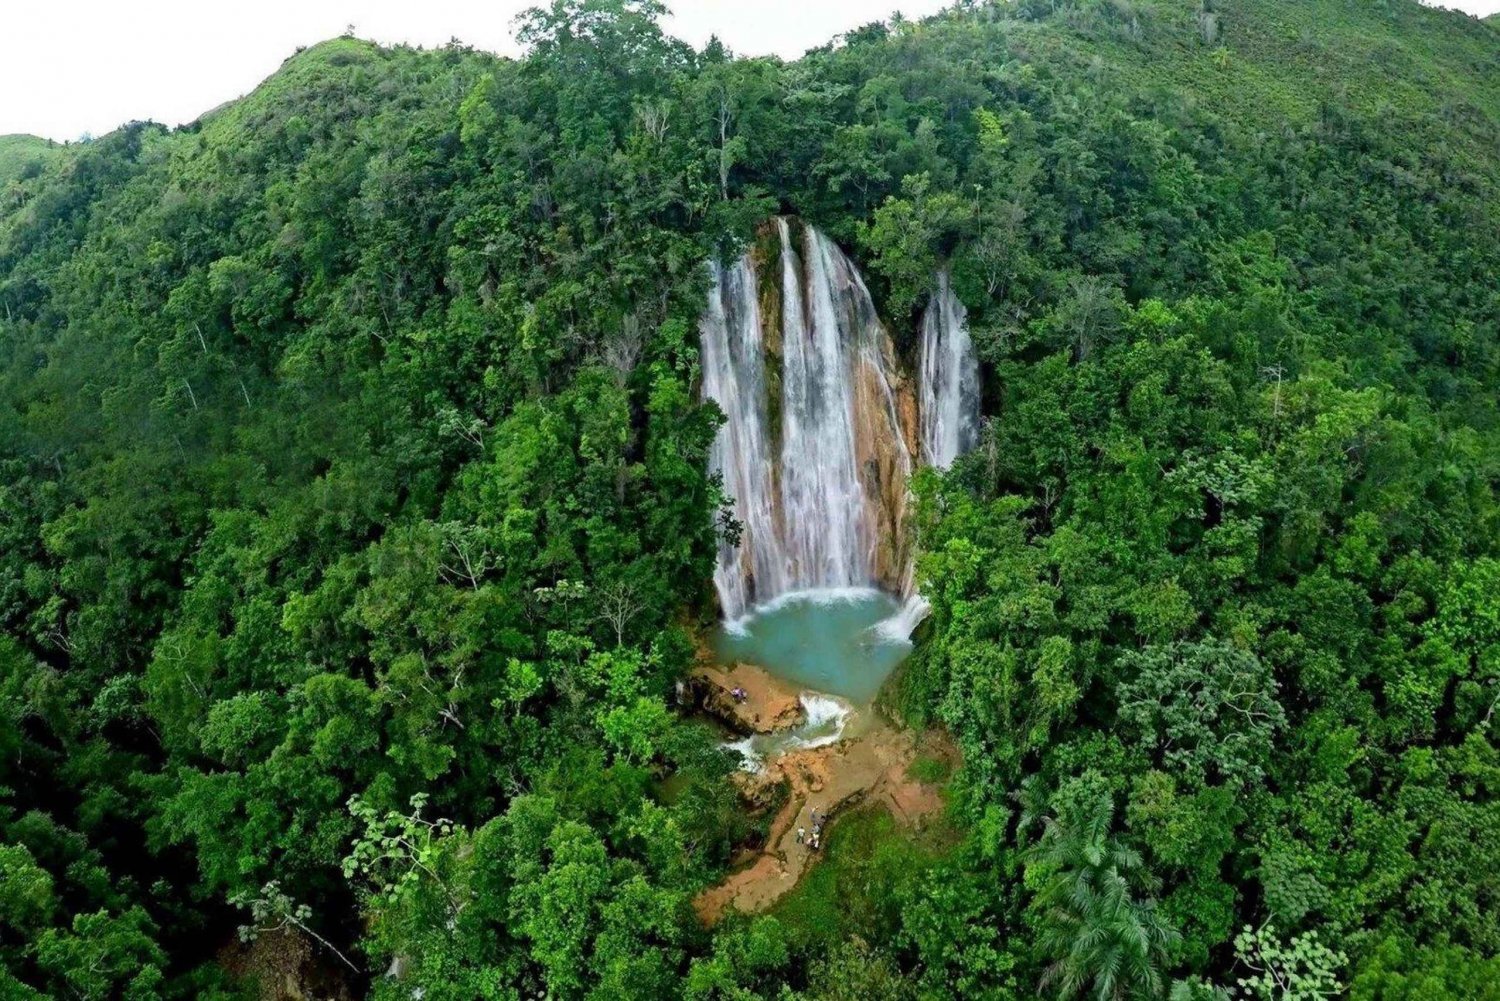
(950, 379)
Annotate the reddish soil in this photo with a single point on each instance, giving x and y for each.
(871, 762)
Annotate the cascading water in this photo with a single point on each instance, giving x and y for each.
(734, 375)
(949, 411)
(824, 721)
(949, 379)
(822, 501)
(820, 495)
(816, 453)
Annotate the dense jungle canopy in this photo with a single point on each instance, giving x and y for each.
(355, 522)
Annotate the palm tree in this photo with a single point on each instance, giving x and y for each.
(1100, 939)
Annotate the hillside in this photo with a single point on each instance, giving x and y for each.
(21, 156)
(356, 525)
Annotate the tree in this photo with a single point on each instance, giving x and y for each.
(102, 955)
(1301, 970)
(1396, 970)
(26, 892)
(907, 236)
(1208, 709)
(619, 602)
(1099, 939)
(1090, 312)
(855, 972)
(274, 910)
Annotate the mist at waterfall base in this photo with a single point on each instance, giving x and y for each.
(822, 427)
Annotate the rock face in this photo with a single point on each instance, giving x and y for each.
(770, 705)
(886, 410)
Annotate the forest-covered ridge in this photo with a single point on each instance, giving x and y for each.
(355, 523)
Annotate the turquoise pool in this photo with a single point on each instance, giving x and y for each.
(843, 641)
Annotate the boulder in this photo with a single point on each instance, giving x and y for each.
(769, 706)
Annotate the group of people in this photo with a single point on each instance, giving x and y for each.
(814, 841)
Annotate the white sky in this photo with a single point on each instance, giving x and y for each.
(73, 66)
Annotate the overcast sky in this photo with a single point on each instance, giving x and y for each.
(68, 67)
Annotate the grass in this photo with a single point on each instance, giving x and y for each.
(929, 769)
(21, 155)
(870, 865)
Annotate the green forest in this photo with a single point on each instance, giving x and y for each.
(356, 522)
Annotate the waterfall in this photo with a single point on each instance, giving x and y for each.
(949, 379)
(820, 488)
(734, 375)
(815, 451)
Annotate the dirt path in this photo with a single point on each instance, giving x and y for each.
(871, 762)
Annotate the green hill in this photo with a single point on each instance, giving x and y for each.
(355, 522)
(22, 155)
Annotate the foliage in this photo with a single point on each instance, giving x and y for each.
(353, 475)
(1300, 970)
(1211, 709)
(1100, 940)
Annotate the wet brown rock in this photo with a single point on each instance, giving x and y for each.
(770, 704)
(884, 435)
(760, 790)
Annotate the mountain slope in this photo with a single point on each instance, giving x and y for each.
(352, 476)
(22, 155)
